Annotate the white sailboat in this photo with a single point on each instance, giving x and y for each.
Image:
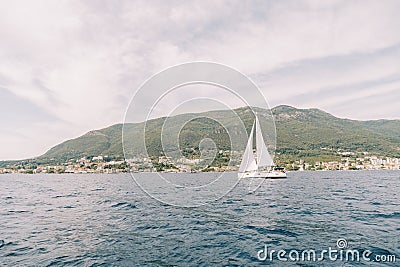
(261, 166)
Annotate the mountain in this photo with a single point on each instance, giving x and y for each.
(108, 141)
(309, 134)
(303, 132)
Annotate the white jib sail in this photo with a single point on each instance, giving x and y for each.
(248, 161)
(264, 159)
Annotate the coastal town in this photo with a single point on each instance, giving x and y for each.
(106, 165)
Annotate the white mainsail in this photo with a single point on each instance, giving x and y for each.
(251, 167)
(249, 162)
(264, 159)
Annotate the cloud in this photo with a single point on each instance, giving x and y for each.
(325, 82)
(22, 124)
(17, 111)
(80, 62)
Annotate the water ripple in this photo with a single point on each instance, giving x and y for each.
(106, 220)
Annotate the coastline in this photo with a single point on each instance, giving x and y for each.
(114, 173)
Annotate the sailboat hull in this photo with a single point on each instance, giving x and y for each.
(262, 174)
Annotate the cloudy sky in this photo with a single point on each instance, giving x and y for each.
(67, 67)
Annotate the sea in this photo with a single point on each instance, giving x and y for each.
(125, 220)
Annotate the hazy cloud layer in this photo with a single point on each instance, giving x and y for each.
(67, 67)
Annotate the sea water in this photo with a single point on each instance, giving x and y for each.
(92, 220)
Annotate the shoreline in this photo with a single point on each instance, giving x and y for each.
(95, 173)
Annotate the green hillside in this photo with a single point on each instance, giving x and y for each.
(303, 132)
(108, 141)
(309, 134)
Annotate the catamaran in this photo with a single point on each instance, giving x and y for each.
(260, 165)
